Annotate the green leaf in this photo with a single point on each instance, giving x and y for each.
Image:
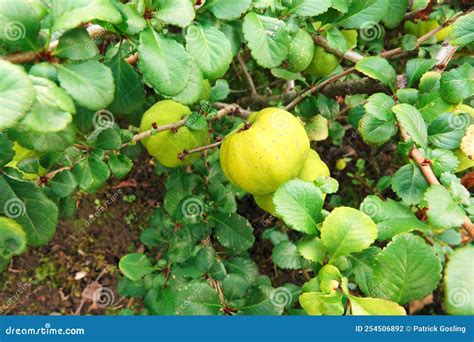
(52, 110)
(235, 286)
(443, 212)
(442, 161)
(12, 238)
(133, 21)
(336, 39)
(458, 280)
(76, 44)
(28, 205)
(63, 184)
(164, 62)
(244, 267)
(228, 10)
(161, 301)
(318, 303)
(299, 204)
(462, 31)
(416, 67)
(91, 174)
(374, 306)
(220, 91)
(108, 139)
(407, 269)
(447, 130)
(17, 94)
(268, 39)
(409, 184)
(175, 12)
(412, 122)
(234, 231)
(309, 8)
(135, 266)
(317, 129)
(129, 95)
(346, 230)
(198, 299)
(312, 249)
(20, 22)
(90, 83)
(391, 217)
(67, 14)
(363, 11)
(211, 50)
(120, 165)
(285, 255)
(192, 93)
(205, 259)
(378, 125)
(287, 75)
(6, 150)
(457, 84)
(363, 264)
(394, 16)
(379, 69)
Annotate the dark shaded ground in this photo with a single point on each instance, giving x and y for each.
(61, 277)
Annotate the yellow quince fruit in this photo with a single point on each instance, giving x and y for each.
(167, 145)
(266, 152)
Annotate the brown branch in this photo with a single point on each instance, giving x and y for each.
(247, 75)
(95, 31)
(185, 153)
(349, 55)
(317, 87)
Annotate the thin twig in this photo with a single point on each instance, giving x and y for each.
(247, 75)
(185, 153)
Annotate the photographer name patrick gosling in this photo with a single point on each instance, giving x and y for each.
(439, 328)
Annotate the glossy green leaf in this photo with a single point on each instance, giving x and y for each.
(234, 231)
(164, 62)
(458, 280)
(299, 204)
(135, 266)
(175, 12)
(379, 69)
(412, 122)
(268, 39)
(17, 94)
(211, 50)
(347, 230)
(228, 10)
(28, 205)
(406, 269)
(90, 83)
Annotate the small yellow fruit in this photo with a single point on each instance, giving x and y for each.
(167, 145)
(267, 154)
(341, 164)
(313, 167)
(322, 64)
